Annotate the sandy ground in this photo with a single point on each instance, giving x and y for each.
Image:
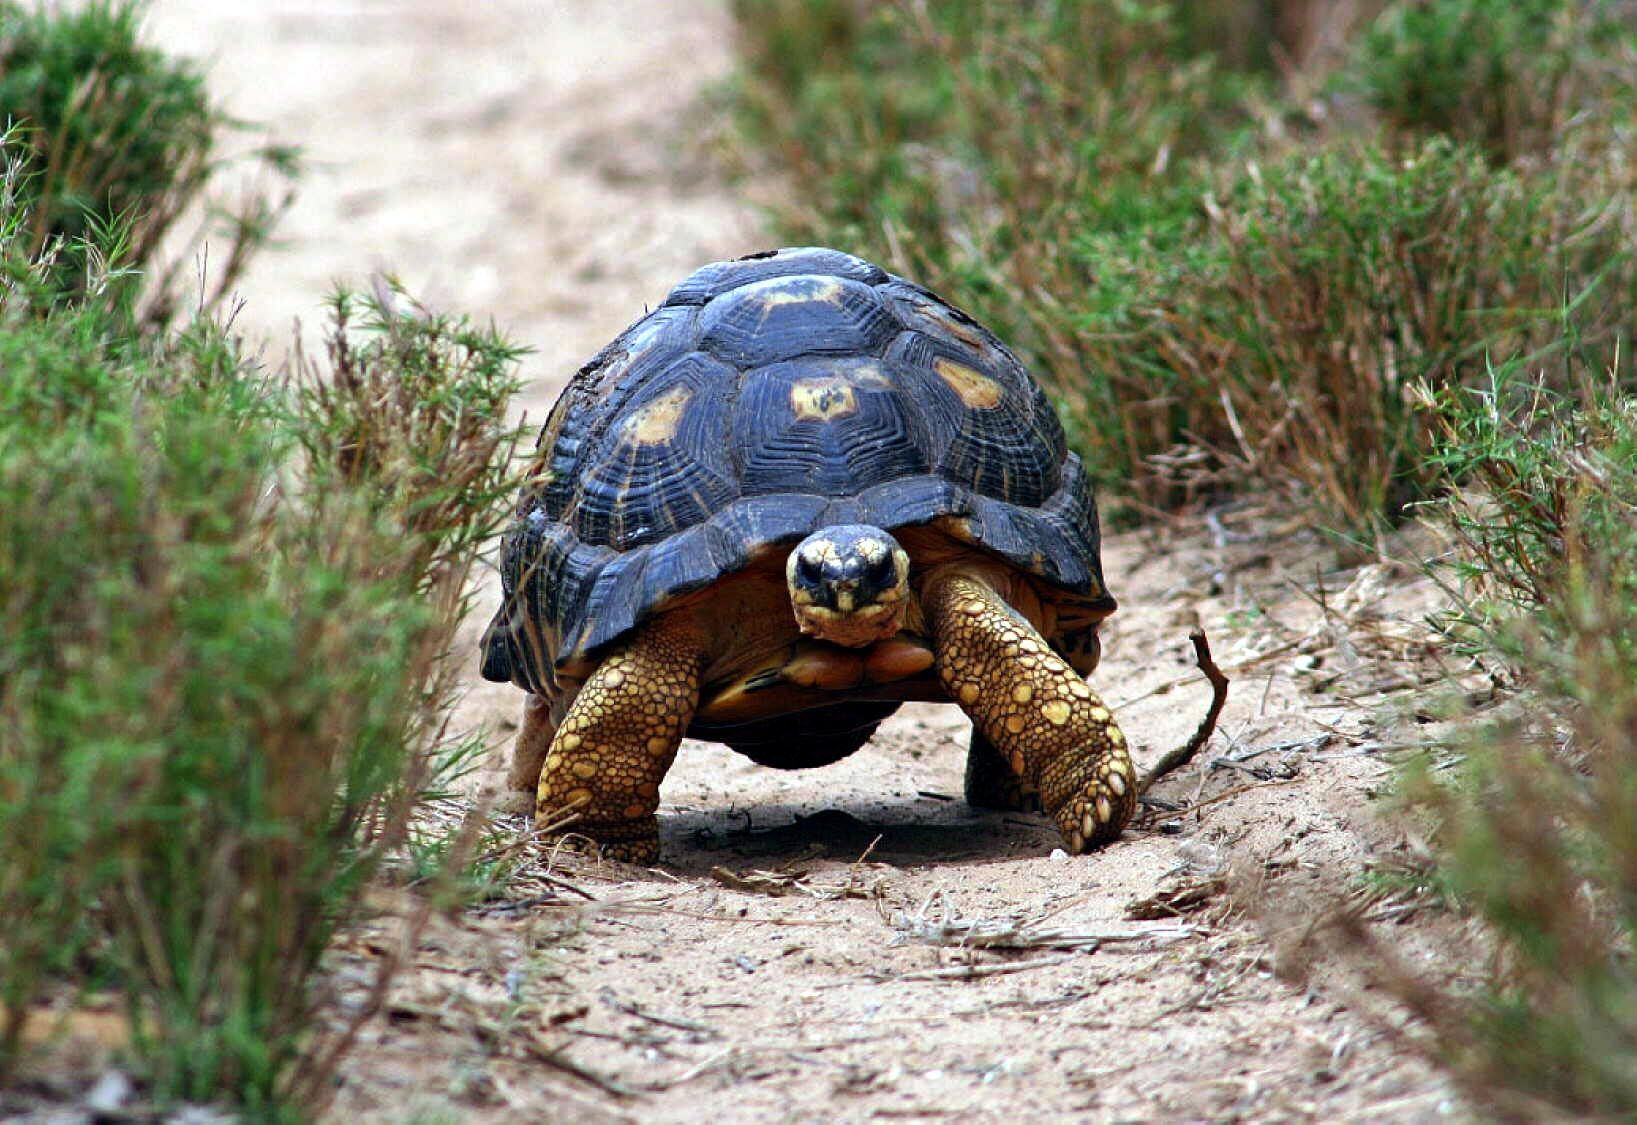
(797, 956)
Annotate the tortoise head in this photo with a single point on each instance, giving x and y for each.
(849, 584)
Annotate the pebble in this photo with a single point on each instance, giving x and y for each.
(1058, 856)
(111, 1092)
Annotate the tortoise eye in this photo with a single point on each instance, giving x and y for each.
(883, 571)
(807, 569)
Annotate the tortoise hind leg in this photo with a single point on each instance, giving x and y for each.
(1033, 708)
(992, 783)
(528, 756)
(619, 738)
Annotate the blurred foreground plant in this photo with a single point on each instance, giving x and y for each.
(1537, 832)
(225, 607)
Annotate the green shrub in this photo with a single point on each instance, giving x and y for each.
(1252, 325)
(225, 606)
(120, 143)
(1510, 76)
(1537, 836)
(1325, 288)
(1549, 500)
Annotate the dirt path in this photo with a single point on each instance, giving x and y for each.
(517, 160)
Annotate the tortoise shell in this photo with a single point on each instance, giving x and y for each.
(768, 397)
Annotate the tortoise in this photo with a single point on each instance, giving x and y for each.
(797, 494)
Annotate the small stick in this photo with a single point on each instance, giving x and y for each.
(1184, 754)
(871, 849)
(1236, 790)
(666, 1021)
(693, 1071)
(972, 972)
(561, 1062)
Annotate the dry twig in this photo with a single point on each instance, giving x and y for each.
(1184, 754)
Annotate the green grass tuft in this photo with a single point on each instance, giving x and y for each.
(1507, 76)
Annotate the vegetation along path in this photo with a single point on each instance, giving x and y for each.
(854, 941)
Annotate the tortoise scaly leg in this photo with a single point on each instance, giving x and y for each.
(991, 782)
(620, 736)
(528, 755)
(1033, 708)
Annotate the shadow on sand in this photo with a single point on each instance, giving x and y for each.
(904, 834)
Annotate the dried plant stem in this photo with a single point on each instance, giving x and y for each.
(1184, 754)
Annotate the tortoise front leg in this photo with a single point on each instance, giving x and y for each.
(1035, 710)
(618, 739)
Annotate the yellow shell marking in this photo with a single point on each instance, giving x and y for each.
(800, 292)
(822, 399)
(976, 389)
(655, 423)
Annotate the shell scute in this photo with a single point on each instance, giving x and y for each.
(1012, 449)
(662, 464)
(832, 428)
(761, 521)
(785, 317)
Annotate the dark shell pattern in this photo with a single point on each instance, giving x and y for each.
(766, 398)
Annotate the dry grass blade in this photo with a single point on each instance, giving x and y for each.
(786, 880)
(663, 1020)
(558, 1061)
(780, 883)
(1184, 754)
(774, 883)
(311, 1084)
